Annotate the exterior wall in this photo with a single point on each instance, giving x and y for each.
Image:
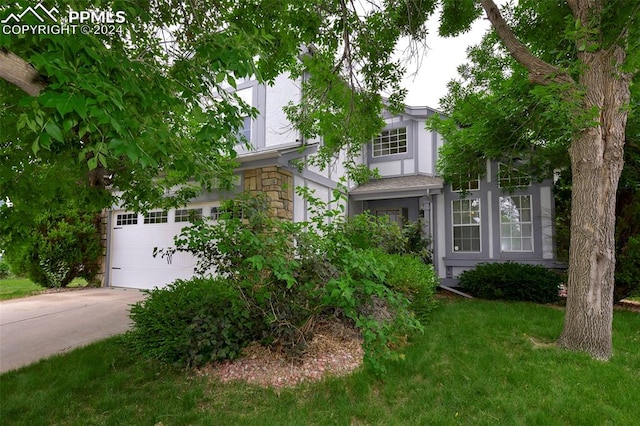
(278, 129)
(451, 263)
(421, 152)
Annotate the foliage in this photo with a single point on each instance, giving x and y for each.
(149, 109)
(5, 271)
(366, 231)
(59, 249)
(409, 275)
(290, 274)
(417, 242)
(512, 281)
(628, 270)
(192, 322)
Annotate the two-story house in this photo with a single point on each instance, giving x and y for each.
(483, 223)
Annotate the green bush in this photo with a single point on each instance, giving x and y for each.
(512, 281)
(290, 273)
(416, 280)
(5, 271)
(59, 249)
(192, 322)
(628, 270)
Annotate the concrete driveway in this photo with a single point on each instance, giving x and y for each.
(39, 326)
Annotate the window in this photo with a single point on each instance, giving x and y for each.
(398, 216)
(188, 215)
(511, 177)
(218, 213)
(214, 215)
(466, 225)
(244, 132)
(471, 184)
(390, 142)
(516, 224)
(127, 219)
(156, 217)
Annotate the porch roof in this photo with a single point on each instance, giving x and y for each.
(397, 187)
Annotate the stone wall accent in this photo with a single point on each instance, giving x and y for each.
(277, 183)
(100, 278)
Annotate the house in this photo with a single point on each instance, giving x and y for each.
(484, 222)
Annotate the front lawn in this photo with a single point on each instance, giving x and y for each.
(11, 288)
(478, 362)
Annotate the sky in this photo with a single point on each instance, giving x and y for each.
(440, 64)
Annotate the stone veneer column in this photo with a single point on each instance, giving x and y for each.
(277, 184)
(100, 277)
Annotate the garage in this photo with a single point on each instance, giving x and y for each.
(133, 239)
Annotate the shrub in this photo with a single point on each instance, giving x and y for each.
(415, 279)
(512, 281)
(192, 322)
(5, 272)
(416, 241)
(289, 273)
(59, 249)
(366, 231)
(628, 270)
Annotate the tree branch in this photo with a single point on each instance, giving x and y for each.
(540, 72)
(20, 73)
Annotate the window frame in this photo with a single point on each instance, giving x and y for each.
(378, 139)
(510, 224)
(185, 215)
(455, 225)
(126, 219)
(511, 175)
(156, 217)
(458, 189)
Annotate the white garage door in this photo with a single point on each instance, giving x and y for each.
(133, 238)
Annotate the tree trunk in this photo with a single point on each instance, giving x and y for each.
(596, 162)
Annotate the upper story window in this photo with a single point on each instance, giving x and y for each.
(244, 132)
(156, 217)
(466, 225)
(390, 142)
(464, 183)
(511, 177)
(188, 215)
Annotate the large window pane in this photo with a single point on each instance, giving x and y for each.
(390, 142)
(466, 225)
(516, 223)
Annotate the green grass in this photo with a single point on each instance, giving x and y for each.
(11, 288)
(475, 364)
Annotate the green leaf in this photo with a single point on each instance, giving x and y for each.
(54, 131)
(35, 146)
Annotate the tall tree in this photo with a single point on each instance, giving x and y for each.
(142, 112)
(584, 78)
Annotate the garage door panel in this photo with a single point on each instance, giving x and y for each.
(131, 254)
